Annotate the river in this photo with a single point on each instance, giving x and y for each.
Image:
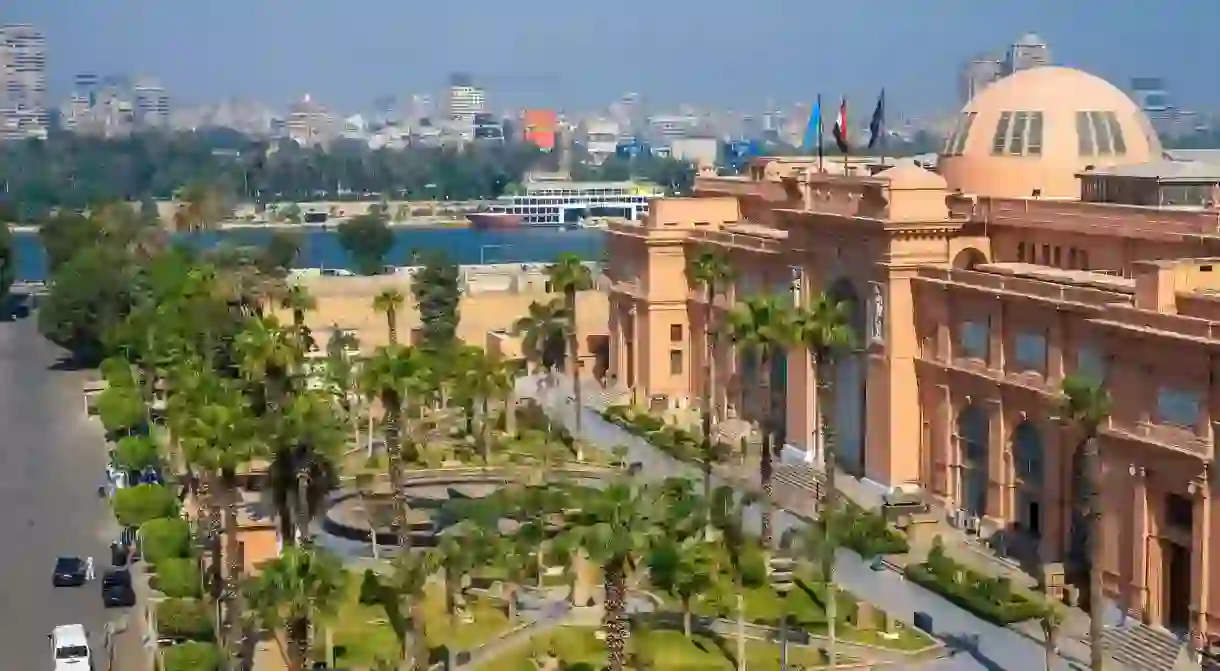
(320, 247)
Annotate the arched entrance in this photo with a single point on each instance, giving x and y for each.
(850, 384)
(973, 435)
(1029, 462)
(968, 258)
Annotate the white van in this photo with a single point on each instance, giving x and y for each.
(70, 648)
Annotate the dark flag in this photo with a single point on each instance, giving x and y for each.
(840, 129)
(876, 127)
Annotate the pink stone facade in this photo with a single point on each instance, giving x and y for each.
(970, 307)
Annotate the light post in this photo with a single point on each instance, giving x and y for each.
(781, 572)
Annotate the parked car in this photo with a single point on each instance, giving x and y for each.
(69, 572)
(117, 591)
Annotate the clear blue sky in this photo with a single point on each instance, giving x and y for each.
(583, 53)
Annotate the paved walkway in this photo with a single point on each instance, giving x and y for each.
(980, 645)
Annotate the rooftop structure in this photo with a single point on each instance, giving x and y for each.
(1036, 253)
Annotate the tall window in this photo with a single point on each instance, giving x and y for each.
(1000, 141)
(1029, 351)
(675, 333)
(974, 339)
(1084, 135)
(1021, 252)
(1101, 131)
(1033, 144)
(1178, 407)
(1016, 144)
(675, 362)
(1091, 362)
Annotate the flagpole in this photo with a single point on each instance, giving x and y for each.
(821, 152)
(884, 133)
(846, 139)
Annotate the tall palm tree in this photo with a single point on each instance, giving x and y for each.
(569, 275)
(294, 591)
(313, 434)
(297, 299)
(764, 327)
(711, 272)
(387, 377)
(825, 328)
(390, 302)
(1085, 405)
(224, 435)
(543, 331)
(400, 593)
(616, 526)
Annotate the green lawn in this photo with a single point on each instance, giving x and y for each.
(362, 635)
(666, 650)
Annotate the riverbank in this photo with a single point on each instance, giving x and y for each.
(418, 223)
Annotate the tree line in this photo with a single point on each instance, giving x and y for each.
(73, 171)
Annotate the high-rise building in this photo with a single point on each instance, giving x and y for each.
(977, 75)
(1029, 51)
(464, 100)
(309, 124)
(23, 99)
(85, 85)
(151, 104)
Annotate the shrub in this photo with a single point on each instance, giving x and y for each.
(135, 453)
(165, 538)
(868, 534)
(191, 656)
(188, 618)
(753, 567)
(178, 578)
(134, 506)
(990, 598)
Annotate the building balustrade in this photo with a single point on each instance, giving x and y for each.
(1120, 220)
(1021, 286)
(737, 241)
(633, 286)
(1161, 435)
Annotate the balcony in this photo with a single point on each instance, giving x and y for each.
(1163, 436)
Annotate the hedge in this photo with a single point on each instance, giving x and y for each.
(186, 618)
(165, 538)
(990, 598)
(674, 441)
(133, 506)
(191, 656)
(178, 578)
(868, 534)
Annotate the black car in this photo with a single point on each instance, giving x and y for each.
(116, 589)
(69, 572)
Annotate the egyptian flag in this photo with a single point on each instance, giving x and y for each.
(840, 129)
(876, 127)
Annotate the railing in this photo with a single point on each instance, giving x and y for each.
(1052, 291)
(747, 242)
(1129, 317)
(1172, 437)
(1123, 220)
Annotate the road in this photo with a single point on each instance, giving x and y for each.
(981, 646)
(51, 460)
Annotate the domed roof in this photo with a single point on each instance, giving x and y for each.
(907, 175)
(1035, 129)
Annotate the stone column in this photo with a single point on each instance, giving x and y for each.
(1200, 567)
(997, 460)
(1138, 605)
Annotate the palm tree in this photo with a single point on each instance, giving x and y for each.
(387, 377)
(201, 206)
(543, 331)
(1085, 404)
(224, 435)
(569, 275)
(615, 526)
(297, 299)
(764, 327)
(389, 302)
(726, 512)
(313, 435)
(400, 594)
(710, 271)
(684, 570)
(295, 590)
(825, 328)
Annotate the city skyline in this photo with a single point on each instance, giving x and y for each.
(526, 61)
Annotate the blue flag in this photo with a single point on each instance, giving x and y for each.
(813, 130)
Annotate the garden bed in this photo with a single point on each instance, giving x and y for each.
(675, 441)
(991, 598)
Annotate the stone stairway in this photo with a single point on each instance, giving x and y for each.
(1143, 648)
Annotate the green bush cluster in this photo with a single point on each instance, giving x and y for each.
(674, 441)
(991, 598)
(178, 578)
(531, 417)
(165, 538)
(191, 656)
(133, 506)
(867, 533)
(186, 618)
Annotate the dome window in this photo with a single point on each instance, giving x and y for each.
(1100, 134)
(999, 142)
(956, 142)
(1018, 134)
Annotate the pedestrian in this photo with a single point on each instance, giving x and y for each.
(88, 569)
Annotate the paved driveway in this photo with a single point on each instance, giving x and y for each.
(982, 645)
(51, 460)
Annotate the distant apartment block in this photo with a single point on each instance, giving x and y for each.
(1029, 51)
(601, 139)
(151, 103)
(23, 82)
(977, 75)
(309, 124)
(464, 100)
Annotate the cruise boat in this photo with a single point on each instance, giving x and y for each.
(564, 203)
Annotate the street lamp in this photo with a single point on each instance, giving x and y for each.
(781, 571)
